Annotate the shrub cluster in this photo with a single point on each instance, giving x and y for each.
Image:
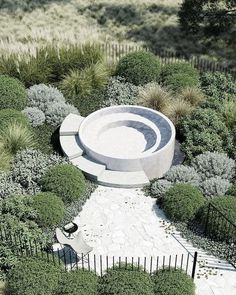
(50, 209)
(119, 92)
(182, 174)
(33, 276)
(139, 68)
(8, 116)
(12, 94)
(182, 202)
(8, 186)
(179, 75)
(47, 103)
(65, 180)
(29, 165)
(214, 186)
(121, 281)
(169, 282)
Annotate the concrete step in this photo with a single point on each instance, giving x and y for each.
(71, 124)
(91, 169)
(123, 179)
(71, 146)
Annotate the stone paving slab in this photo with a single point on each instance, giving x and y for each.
(126, 223)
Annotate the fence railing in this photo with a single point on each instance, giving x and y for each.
(65, 256)
(218, 227)
(115, 51)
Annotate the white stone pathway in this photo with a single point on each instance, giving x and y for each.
(124, 222)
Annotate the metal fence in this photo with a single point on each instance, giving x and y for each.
(115, 51)
(219, 228)
(65, 256)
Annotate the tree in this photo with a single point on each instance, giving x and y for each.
(210, 17)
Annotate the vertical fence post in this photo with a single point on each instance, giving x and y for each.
(194, 265)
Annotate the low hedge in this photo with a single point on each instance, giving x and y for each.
(218, 228)
(139, 67)
(33, 276)
(182, 202)
(173, 282)
(65, 180)
(121, 281)
(50, 209)
(12, 94)
(80, 282)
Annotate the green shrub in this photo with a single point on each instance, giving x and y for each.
(5, 161)
(183, 174)
(212, 164)
(218, 85)
(182, 201)
(10, 115)
(79, 281)
(120, 92)
(217, 228)
(126, 282)
(47, 137)
(139, 68)
(179, 68)
(35, 116)
(56, 112)
(180, 81)
(33, 276)
(229, 113)
(153, 96)
(65, 180)
(16, 137)
(232, 190)
(8, 186)
(214, 186)
(50, 209)
(173, 282)
(158, 188)
(29, 166)
(12, 94)
(41, 95)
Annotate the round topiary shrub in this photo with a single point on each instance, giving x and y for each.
(139, 68)
(182, 202)
(41, 95)
(218, 228)
(79, 281)
(13, 94)
(173, 282)
(50, 209)
(33, 276)
(214, 186)
(183, 174)
(65, 180)
(56, 112)
(121, 281)
(212, 164)
(35, 116)
(8, 116)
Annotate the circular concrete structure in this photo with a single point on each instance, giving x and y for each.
(132, 140)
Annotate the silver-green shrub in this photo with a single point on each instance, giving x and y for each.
(30, 165)
(41, 95)
(119, 92)
(159, 187)
(8, 186)
(214, 186)
(212, 164)
(182, 174)
(36, 116)
(56, 112)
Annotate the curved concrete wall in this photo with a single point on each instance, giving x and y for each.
(153, 161)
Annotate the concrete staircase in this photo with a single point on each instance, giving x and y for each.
(73, 149)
